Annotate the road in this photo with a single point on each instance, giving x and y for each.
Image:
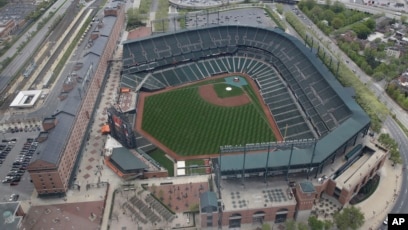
(51, 102)
(389, 11)
(376, 87)
(25, 55)
(401, 204)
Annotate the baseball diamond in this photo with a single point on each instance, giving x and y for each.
(194, 120)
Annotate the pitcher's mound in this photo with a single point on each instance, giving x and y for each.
(208, 93)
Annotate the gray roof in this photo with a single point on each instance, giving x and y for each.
(98, 45)
(108, 23)
(208, 202)
(91, 58)
(307, 187)
(72, 103)
(52, 149)
(54, 146)
(126, 160)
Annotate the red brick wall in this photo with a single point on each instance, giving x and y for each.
(331, 185)
(304, 200)
(203, 218)
(246, 215)
(156, 174)
(47, 182)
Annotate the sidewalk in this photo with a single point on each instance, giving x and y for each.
(380, 203)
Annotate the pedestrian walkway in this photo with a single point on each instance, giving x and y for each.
(381, 202)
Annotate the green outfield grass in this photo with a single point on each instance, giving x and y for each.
(188, 125)
(160, 156)
(221, 91)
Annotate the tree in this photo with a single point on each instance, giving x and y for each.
(370, 23)
(302, 226)
(361, 30)
(328, 224)
(290, 225)
(378, 75)
(386, 140)
(349, 218)
(309, 4)
(338, 7)
(134, 19)
(328, 15)
(315, 224)
(395, 156)
(328, 3)
(279, 8)
(317, 12)
(337, 23)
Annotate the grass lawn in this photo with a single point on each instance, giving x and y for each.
(221, 91)
(188, 125)
(199, 170)
(199, 162)
(159, 156)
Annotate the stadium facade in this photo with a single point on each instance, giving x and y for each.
(325, 148)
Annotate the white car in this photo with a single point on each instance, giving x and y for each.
(14, 197)
(385, 221)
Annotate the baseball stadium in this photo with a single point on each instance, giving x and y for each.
(228, 88)
(256, 101)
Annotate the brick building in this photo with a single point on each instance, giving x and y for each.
(53, 170)
(252, 199)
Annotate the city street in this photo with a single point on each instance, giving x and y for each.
(25, 55)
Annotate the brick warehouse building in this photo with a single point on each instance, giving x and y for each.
(65, 131)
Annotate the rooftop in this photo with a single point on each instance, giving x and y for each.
(26, 99)
(352, 176)
(126, 160)
(255, 194)
(307, 187)
(52, 149)
(82, 215)
(8, 210)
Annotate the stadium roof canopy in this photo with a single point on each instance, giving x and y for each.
(126, 160)
(26, 99)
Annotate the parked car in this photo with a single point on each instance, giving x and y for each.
(14, 197)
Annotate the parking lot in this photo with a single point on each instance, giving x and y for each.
(17, 150)
(250, 17)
